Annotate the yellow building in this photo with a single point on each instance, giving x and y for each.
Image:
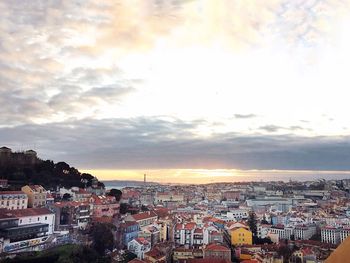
(36, 195)
(241, 236)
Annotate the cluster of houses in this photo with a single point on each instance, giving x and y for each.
(30, 219)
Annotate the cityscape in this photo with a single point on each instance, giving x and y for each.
(276, 221)
(174, 131)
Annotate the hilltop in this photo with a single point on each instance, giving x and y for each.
(26, 168)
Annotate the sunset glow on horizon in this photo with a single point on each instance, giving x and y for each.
(205, 176)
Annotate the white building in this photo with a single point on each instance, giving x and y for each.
(238, 214)
(13, 200)
(25, 229)
(263, 230)
(330, 235)
(184, 234)
(304, 232)
(282, 232)
(344, 233)
(269, 201)
(139, 246)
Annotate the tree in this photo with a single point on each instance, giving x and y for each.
(285, 252)
(102, 237)
(316, 236)
(252, 223)
(144, 208)
(116, 193)
(262, 241)
(123, 208)
(66, 197)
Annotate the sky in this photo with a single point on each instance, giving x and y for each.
(183, 90)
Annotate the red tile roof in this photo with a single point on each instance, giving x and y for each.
(141, 241)
(190, 226)
(103, 219)
(143, 216)
(217, 247)
(162, 212)
(155, 253)
(24, 212)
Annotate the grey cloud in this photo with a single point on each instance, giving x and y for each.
(271, 128)
(245, 116)
(275, 128)
(159, 143)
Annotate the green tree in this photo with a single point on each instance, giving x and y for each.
(252, 223)
(144, 208)
(285, 252)
(102, 237)
(66, 197)
(123, 208)
(116, 193)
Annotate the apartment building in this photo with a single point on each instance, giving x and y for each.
(143, 219)
(25, 229)
(71, 214)
(330, 235)
(13, 200)
(36, 195)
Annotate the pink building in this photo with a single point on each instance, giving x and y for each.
(104, 206)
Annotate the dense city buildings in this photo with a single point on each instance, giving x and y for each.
(260, 222)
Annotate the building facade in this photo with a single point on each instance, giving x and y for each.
(25, 229)
(36, 195)
(241, 236)
(13, 200)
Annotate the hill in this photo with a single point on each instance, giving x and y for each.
(22, 168)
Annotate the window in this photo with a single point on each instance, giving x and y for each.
(45, 217)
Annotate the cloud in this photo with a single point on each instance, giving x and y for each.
(61, 70)
(68, 49)
(159, 143)
(275, 128)
(271, 128)
(244, 116)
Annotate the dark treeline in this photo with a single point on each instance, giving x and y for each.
(46, 173)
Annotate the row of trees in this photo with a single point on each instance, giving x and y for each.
(46, 173)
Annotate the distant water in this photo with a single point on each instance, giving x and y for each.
(122, 184)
